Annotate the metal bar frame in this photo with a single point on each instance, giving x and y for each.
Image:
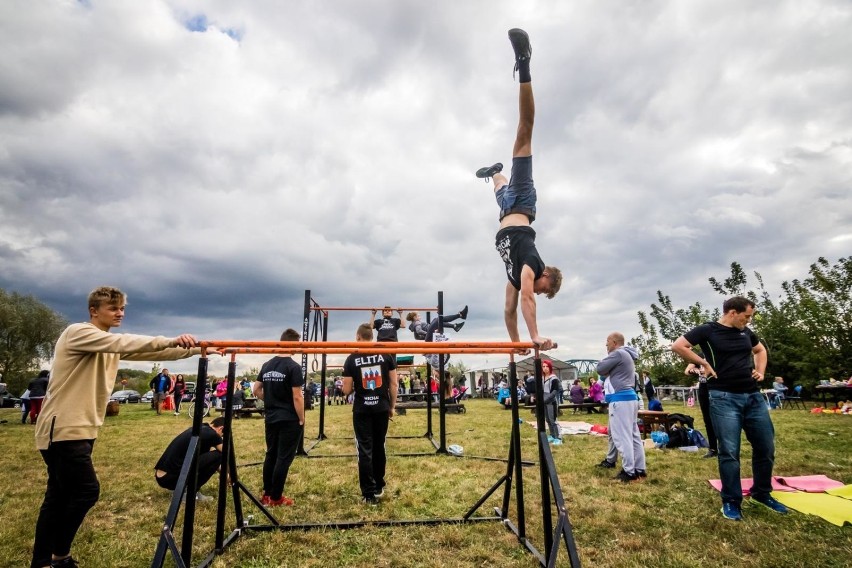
(188, 478)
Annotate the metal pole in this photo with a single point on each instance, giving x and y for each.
(516, 442)
(306, 324)
(192, 477)
(321, 435)
(544, 474)
(442, 379)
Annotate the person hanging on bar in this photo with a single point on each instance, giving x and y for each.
(515, 240)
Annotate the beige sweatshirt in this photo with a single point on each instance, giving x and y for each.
(83, 375)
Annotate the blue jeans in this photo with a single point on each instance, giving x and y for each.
(519, 195)
(733, 413)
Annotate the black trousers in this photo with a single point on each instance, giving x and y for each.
(704, 403)
(72, 489)
(371, 429)
(282, 440)
(208, 464)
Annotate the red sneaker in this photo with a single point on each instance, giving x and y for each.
(264, 500)
(278, 502)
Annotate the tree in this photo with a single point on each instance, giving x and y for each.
(28, 333)
(807, 330)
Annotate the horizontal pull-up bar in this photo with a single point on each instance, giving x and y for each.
(371, 350)
(396, 346)
(342, 309)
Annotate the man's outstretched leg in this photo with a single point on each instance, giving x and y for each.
(519, 193)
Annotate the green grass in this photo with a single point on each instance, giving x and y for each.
(670, 520)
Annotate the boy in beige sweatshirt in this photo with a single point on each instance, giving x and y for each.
(83, 375)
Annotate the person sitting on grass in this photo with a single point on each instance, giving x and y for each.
(167, 470)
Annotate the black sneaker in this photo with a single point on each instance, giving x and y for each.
(625, 477)
(641, 473)
(710, 454)
(457, 326)
(521, 44)
(370, 500)
(67, 562)
(488, 172)
(463, 312)
(606, 464)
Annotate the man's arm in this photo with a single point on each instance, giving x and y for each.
(760, 360)
(528, 308)
(394, 387)
(348, 386)
(683, 348)
(299, 404)
(257, 389)
(510, 312)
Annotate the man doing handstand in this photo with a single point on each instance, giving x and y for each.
(515, 240)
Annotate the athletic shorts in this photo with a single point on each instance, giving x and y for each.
(519, 195)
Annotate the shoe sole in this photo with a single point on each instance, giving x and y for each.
(489, 171)
(520, 43)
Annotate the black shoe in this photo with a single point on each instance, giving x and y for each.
(487, 173)
(457, 326)
(625, 477)
(370, 500)
(521, 44)
(67, 562)
(710, 454)
(606, 464)
(641, 473)
(463, 312)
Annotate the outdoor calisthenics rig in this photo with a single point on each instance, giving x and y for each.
(316, 329)
(551, 492)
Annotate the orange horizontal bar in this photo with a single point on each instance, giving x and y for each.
(341, 309)
(396, 346)
(371, 350)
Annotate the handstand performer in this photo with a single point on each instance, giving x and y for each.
(515, 240)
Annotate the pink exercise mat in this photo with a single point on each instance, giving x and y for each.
(809, 483)
(747, 482)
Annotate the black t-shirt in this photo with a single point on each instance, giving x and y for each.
(172, 459)
(516, 246)
(280, 375)
(371, 379)
(729, 352)
(387, 329)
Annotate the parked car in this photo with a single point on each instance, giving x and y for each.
(148, 396)
(123, 396)
(9, 401)
(188, 392)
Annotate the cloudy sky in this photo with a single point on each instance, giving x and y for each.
(214, 159)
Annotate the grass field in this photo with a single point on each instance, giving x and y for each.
(670, 520)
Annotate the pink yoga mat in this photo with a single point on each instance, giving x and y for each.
(810, 483)
(747, 482)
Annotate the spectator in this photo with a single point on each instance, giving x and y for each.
(550, 393)
(576, 394)
(38, 390)
(167, 470)
(177, 392)
(84, 367)
(25, 406)
(279, 384)
(373, 381)
(161, 384)
(650, 391)
(623, 405)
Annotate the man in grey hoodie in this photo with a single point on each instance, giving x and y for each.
(623, 402)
